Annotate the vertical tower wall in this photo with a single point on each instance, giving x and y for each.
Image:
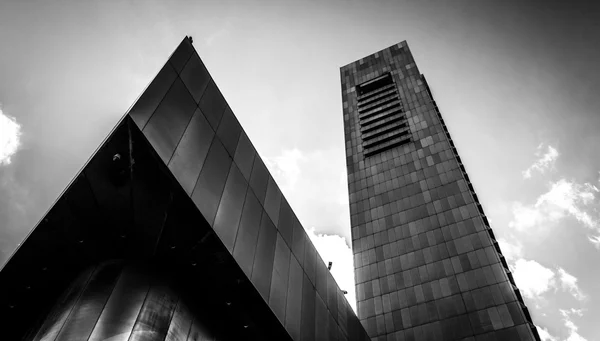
(427, 266)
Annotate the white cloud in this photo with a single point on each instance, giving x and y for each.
(568, 283)
(569, 197)
(595, 240)
(285, 168)
(333, 248)
(564, 198)
(571, 326)
(10, 134)
(532, 278)
(543, 162)
(527, 217)
(545, 335)
(510, 251)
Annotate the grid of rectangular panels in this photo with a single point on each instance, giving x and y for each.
(427, 264)
(212, 158)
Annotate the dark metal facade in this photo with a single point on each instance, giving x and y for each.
(116, 300)
(179, 188)
(427, 264)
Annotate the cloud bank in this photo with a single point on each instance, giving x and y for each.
(563, 199)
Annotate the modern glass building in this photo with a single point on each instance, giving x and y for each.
(173, 230)
(427, 264)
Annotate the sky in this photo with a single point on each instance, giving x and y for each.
(516, 81)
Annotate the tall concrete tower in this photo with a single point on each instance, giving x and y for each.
(427, 264)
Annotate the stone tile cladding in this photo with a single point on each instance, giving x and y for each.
(427, 266)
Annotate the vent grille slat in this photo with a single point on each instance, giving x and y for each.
(383, 123)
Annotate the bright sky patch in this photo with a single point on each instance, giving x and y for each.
(10, 133)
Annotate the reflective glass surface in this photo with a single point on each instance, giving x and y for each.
(181, 55)
(229, 131)
(279, 279)
(212, 104)
(286, 221)
(247, 236)
(259, 179)
(263, 260)
(273, 201)
(59, 314)
(211, 181)
(321, 320)
(123, 307)
(230, 207)
(332, 296)
(167, 124)
(155, 316)
(308, 310)
(152, 96)
(191, 151)
(87, 310)
(181, 323)
(293, 311)
(244, 155)
(321, 279)
(195, 76)
(310, 262)
(299, 239)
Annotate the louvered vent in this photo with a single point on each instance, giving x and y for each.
(383, 123)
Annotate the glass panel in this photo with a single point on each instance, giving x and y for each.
(247, 237)
(195, 77)
(90, 304)
(180, 324)
(155, 315)
(181, 54)
(286, 221)
(299, 239)
(230, 207)
(152, 96)
(321, 320)
(244, 155)
(332, 330)
(332, 295)
(229, 131)
(308, 310)
(321, 277)
(191, 152)
(212, 104)
(342, 309)
(273, 201)
(279, 279)
(166, 126)
(123, 307)
(263, 261)
(209, 187)
(259, 179)
(61, 310)
(293, 312)
(310, 261)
